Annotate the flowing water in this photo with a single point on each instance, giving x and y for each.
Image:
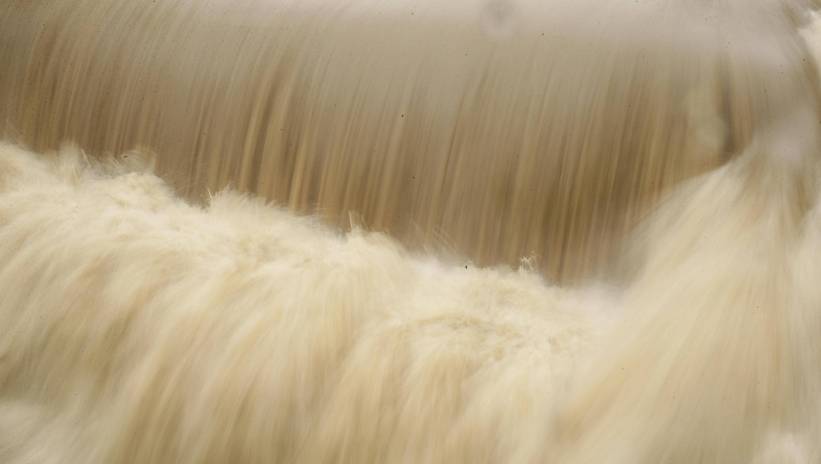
(538, 231)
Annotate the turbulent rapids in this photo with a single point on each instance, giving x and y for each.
(562, 231)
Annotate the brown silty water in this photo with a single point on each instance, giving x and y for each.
(655, 163)
(496, 130)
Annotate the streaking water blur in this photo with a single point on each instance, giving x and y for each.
(497, 130)
(137, 328)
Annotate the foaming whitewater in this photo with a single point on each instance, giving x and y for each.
(137, 325)
(140, 328)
